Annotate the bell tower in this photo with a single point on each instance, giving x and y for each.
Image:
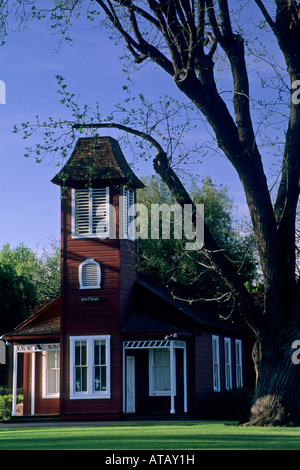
(98, 272)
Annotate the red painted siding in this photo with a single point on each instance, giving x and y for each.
(204, 367)
(117, 259)
(43, 406)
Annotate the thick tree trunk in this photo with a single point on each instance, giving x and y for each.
(276, 401)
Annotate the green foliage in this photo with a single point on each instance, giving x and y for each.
(26, 278)
(17, 297)
(168, 259)
(41, 269)
(6, 405)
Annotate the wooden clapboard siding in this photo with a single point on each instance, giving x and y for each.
(43, 406)
(128, 275)
(26, 383)
(104, 316)
(204, 368)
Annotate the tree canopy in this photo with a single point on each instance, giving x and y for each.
(168, 259)
(26, 278)
(208, 50)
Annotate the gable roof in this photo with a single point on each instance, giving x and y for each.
(96, 159)
(155, 309)
(44, 320)
(155, 304)
(46, 328)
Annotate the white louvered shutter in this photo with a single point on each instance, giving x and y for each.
(125, 213)
(128, 214)
(131, 226)
(82, 215)
(100, 212)
(91, 212)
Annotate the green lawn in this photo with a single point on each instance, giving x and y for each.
(151, 436)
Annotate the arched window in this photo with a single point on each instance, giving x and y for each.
(89, 274)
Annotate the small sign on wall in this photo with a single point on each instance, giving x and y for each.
(2, 353)
(90, 299)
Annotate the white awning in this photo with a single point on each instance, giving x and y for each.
(30, 348)
(153, 344)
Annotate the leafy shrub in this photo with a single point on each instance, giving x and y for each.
(6, 405)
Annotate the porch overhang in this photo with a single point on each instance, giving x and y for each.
(28, 348)
(171, 343)
(153, 344)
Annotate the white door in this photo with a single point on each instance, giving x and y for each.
(130, 384)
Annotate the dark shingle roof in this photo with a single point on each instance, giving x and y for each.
(96, 159)
(44, 320)
(51, 327)
(199, 313)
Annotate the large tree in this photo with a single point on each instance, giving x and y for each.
(187, 39)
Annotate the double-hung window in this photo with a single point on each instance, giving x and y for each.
(90, 212)
(159, 372)
(216, 363)
(128, 214)
(238, 363)
(51, 373)
(228, 366)
(90, 367)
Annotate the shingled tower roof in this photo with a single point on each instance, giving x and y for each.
(96, 159)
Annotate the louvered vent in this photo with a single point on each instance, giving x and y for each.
(89, 275)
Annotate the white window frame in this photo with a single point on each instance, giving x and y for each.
(152, 391)
(80, 274)
(129, 227)
(228, 363)
(91, 233)
(90, 393)
(216, 364)
(45, 393)
(238, 347)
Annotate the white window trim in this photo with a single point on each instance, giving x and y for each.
(89, 261)
(238, 344)
(45, 394)
(91, 234)
(216, 339)
(160, 393)
(90, 363)
(228, 362)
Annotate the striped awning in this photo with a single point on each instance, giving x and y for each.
(29, 348)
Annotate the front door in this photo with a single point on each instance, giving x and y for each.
(130, 384)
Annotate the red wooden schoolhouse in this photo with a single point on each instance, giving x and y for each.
(117, 342)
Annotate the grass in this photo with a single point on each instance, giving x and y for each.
(151, 436)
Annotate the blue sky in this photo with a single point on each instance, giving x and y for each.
(30, 203)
